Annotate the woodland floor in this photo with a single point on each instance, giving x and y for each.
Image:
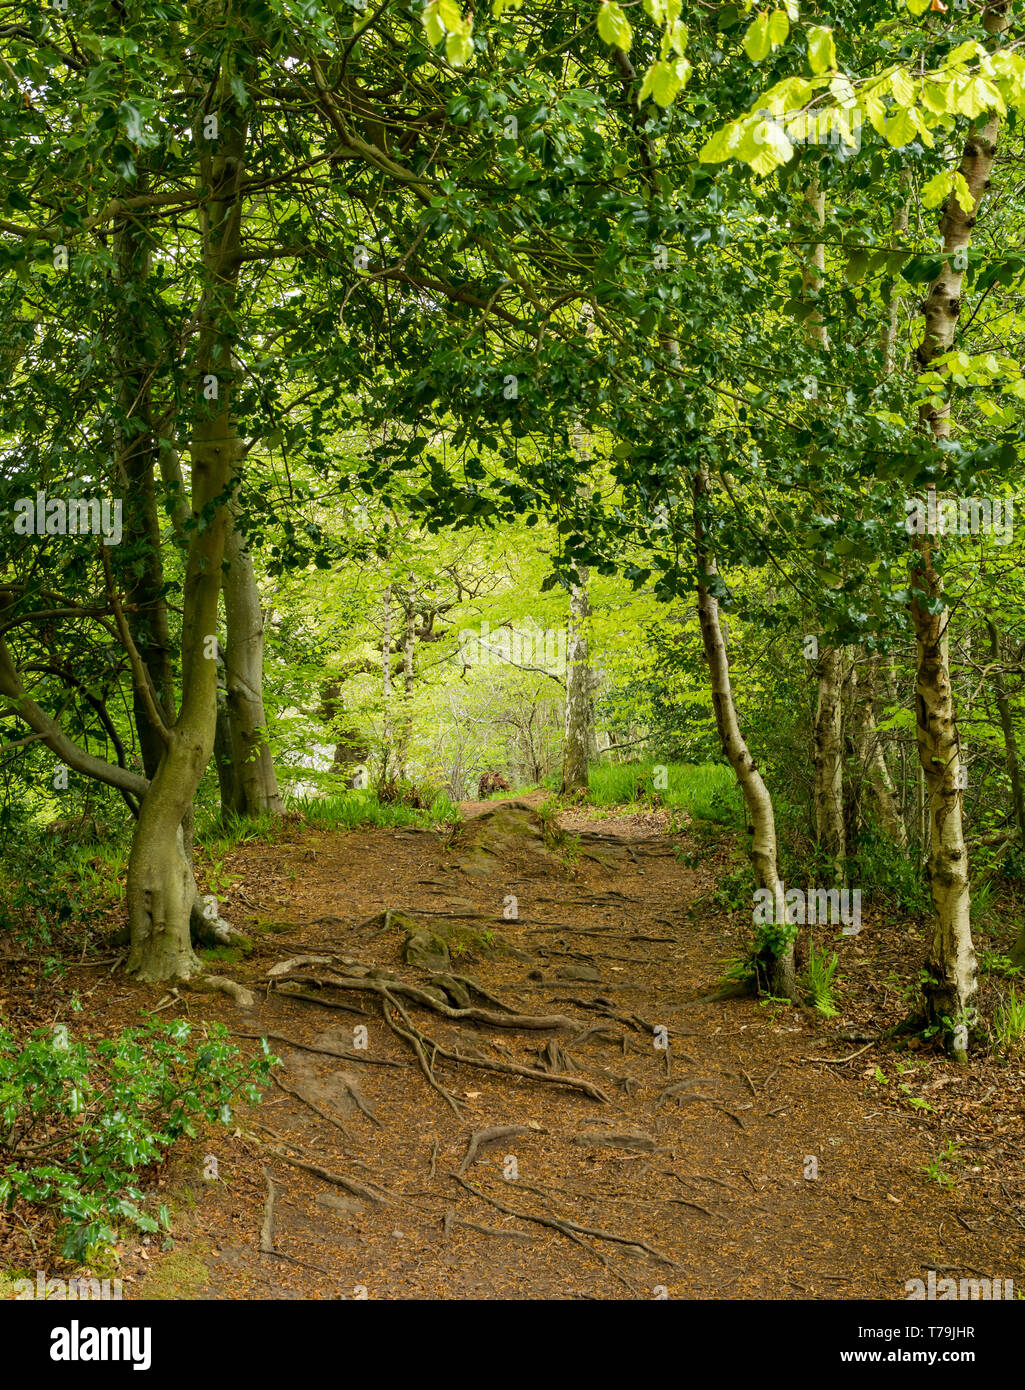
(690, 1177)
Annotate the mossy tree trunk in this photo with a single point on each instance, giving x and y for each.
(160, 892)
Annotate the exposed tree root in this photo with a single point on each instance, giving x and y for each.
(416, 1042)
(482, 1063)
(486, 1139)
(302, 1094)
(551, 1058)
(220, 984)
(267, 1230)
(450, 1219)
(382, 983)
(570, 1228)
(368, 1191)
(349, 1054)
(326, 1003)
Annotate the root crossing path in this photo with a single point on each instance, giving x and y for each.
(504, 1076)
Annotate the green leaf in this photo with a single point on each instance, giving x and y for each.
(613, 25)
(821, 49)
(722, 145)
(664, 81)
(765, 147)
(779, 27)
(757, 44)
(901, 129)
(963, 193)
(937, 189)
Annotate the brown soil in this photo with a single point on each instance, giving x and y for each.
(694, 1177)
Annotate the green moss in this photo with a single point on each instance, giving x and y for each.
(231, 954)
(181, 1275)
(9, 1278)
(265, 925)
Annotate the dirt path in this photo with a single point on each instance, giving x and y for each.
(698, 1173)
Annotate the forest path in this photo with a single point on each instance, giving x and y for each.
(694, 1173)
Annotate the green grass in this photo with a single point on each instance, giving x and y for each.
(350, 810)
(706, 791)
(1009, 1024)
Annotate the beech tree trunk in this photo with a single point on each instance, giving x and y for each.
(254, 780)
(160, 888)
(138, 561)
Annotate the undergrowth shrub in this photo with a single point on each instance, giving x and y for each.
(79, 1120)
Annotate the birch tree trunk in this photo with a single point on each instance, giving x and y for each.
(951, 969)
(1007, 727)
(579, 744)
(830, 831)
(579, 721)
(388, 733)
(775, 964)
(874, 771)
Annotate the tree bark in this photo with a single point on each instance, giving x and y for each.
(579, 745)
(579, 719)
(254, 781)
(951, 969)
(875, 773)
(1007, 725)
(830, 831)
(160, 889)
(386, 673)
(776, 964)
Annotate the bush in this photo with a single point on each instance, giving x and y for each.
(78, 1121)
